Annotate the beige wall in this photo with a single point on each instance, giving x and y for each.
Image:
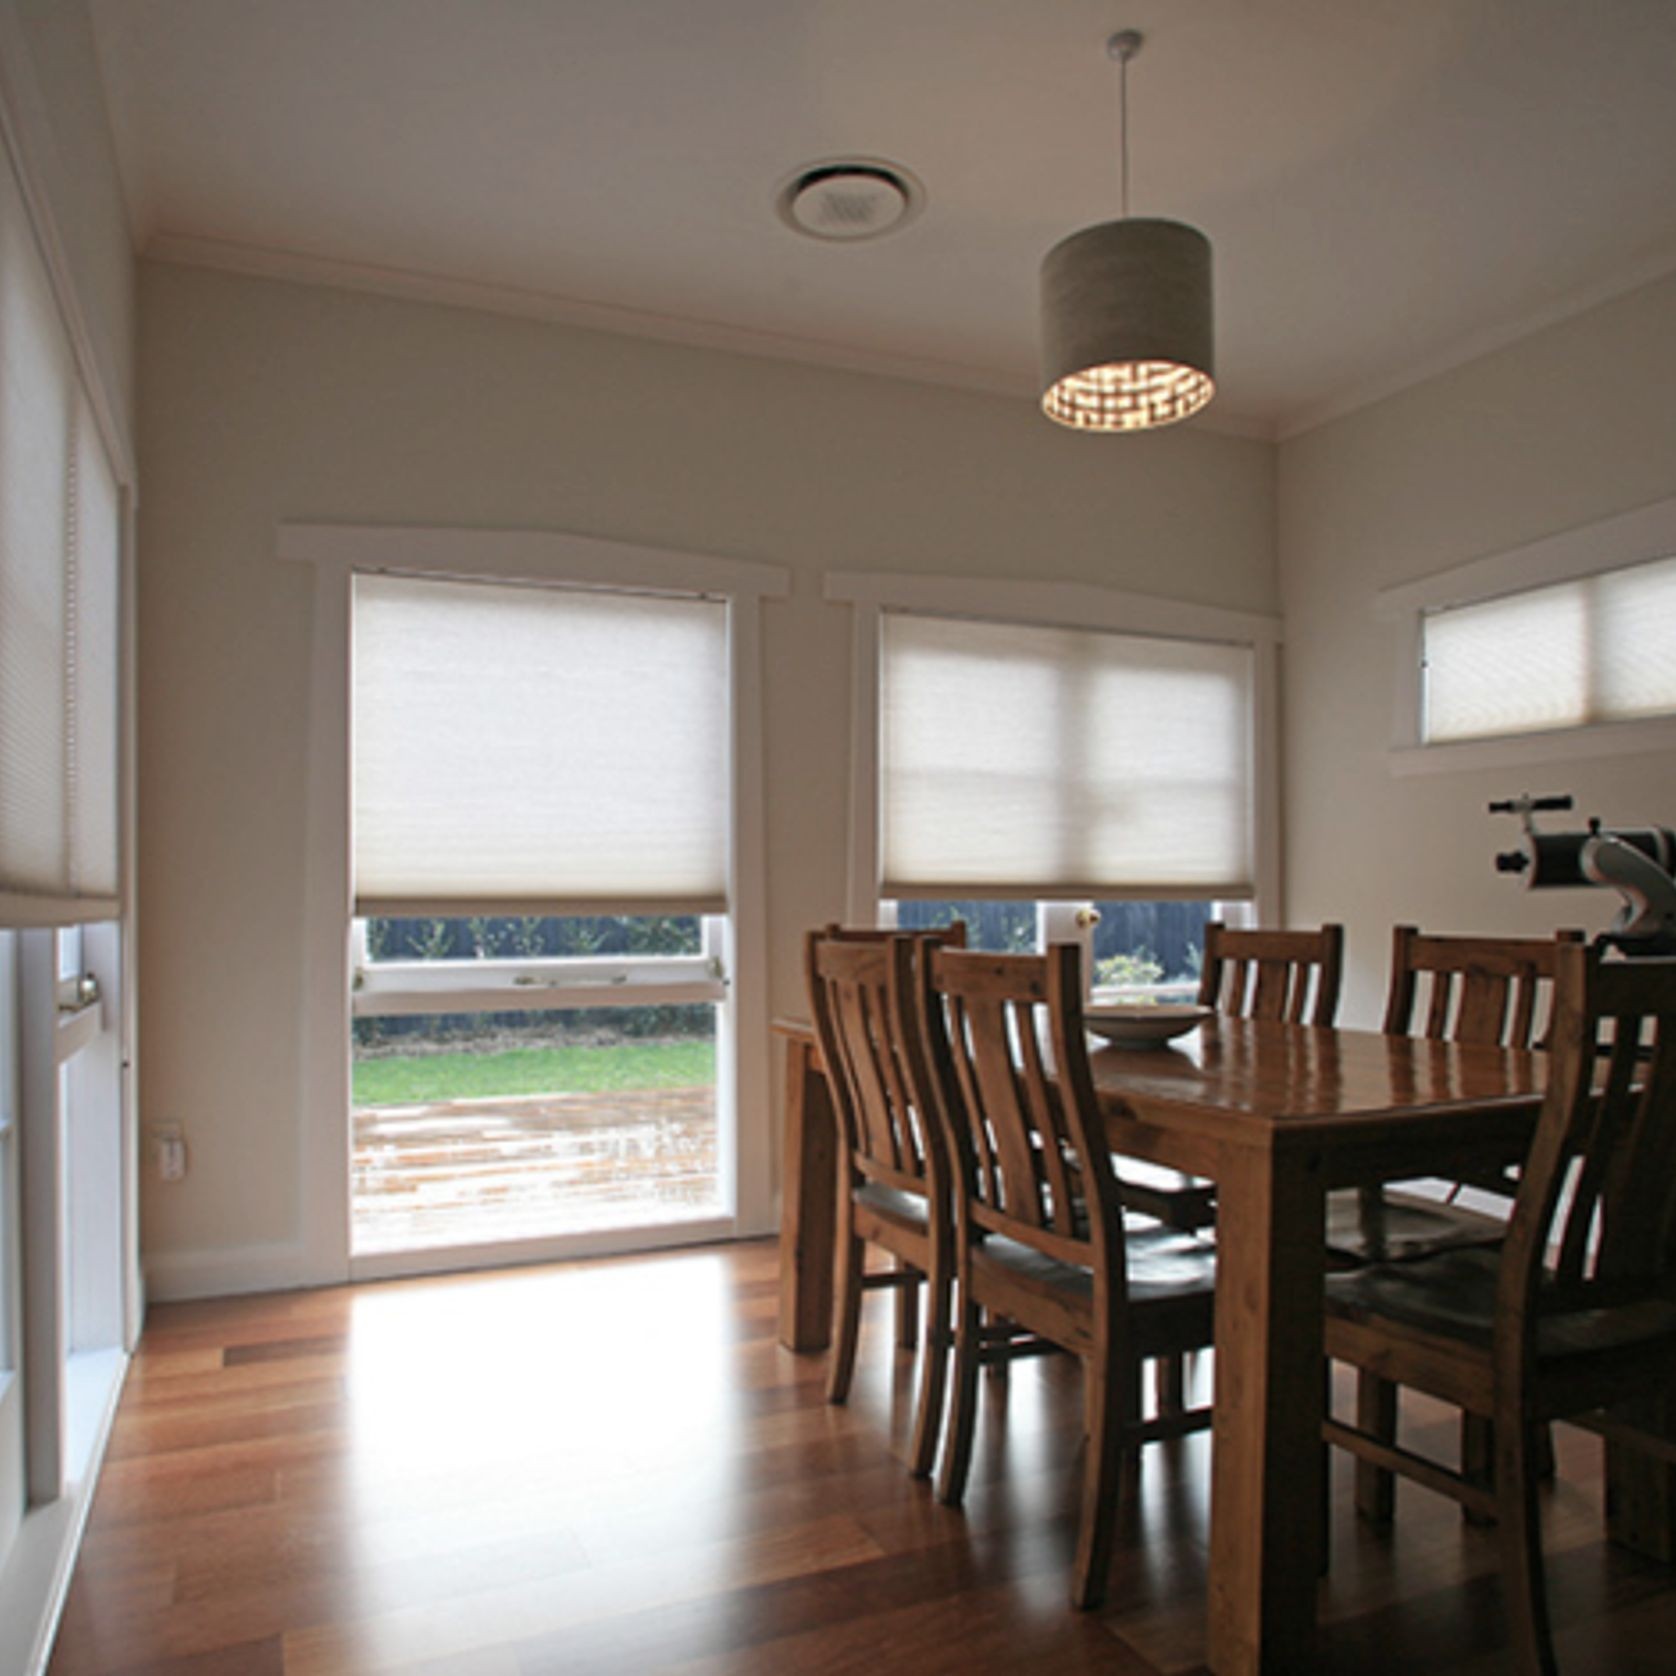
(263, 402)
(1563, 429)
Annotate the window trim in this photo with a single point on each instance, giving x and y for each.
(1036, 604)
(1617, 543)
(545, 983)
(336, 553)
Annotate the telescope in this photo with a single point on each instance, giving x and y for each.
(1637, 862)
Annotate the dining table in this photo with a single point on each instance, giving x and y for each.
(1277, 1115)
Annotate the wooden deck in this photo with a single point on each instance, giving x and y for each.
(467, 1172)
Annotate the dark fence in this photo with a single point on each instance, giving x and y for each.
(1168, 936)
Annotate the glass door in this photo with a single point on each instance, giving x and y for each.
(530, 1077)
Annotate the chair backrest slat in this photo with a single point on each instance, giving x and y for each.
(885, 1136)
(1008, 1116)
(1284, 975)
(1594, 1225)
(1016, 1098)
(1488, 990)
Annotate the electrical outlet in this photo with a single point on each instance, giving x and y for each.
(168, 1148)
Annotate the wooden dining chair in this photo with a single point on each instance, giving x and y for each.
(1576, 1311)
(1291, 976)
(1494, 991)
(1040, 1241)
(894, 1188)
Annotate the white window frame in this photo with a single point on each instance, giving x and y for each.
(1069, 605)
(547, 983)
(1616, 543)
(337, 553)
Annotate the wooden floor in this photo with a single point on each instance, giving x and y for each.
(468, 1172)
(613, 1467)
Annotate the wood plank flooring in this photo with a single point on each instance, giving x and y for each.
(613, 1467)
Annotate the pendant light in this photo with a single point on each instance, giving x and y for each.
(1127, 336)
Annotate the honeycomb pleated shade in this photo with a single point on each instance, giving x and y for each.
(1062, 763)
(1598, 649)
(523, 749)
(60, 585)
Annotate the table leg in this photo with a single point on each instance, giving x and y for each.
(1268, 1460)
(808, 1203)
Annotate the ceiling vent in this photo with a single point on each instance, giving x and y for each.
(848, 199)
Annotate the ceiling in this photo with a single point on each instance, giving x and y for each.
(1389, 185)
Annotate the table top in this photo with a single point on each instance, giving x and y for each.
(1251, 1082)
(1254, 1083)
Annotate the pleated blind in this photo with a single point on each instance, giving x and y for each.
(60, 547)
(1062, 764)
(1598, 649)
(538, 749)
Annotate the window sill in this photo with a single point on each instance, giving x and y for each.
(1522, 749)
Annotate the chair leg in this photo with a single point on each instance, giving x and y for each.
(1110, 1395)
(1324, 1508)
(1376, 1414)
(1521, 1551)
(1130, 1379)
(1001, 1368)
(1547, 1467)
(933, 1376)
(1478, 1458)
(846, 1306)
(907, 1310)
(963, 1402)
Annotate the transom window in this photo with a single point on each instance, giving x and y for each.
(1595, 649)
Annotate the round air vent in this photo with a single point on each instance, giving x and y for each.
(849, 198)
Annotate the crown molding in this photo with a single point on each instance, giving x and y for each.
(300, 268)
(1657, 264)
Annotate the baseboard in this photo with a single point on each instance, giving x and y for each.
(36, 1575)
(501, 1254)
(222, 1271)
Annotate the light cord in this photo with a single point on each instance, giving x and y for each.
(1123, 132)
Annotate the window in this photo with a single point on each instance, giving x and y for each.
(1598, 649)
(1546, 653)
(533, 1076)
(540, 877)
(1131, 950)
(412, 850)
(993, 926)
(1057, 763)
(60, 550)
(1109, 784)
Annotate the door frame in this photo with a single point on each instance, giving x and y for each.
(337, 553)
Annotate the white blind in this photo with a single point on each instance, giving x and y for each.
(1060, 763)
(1599, 649)
(93, 661)
(60, 545)
(536, 748)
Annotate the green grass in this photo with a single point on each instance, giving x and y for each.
(417, 1078)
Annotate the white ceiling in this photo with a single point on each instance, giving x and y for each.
(1389, 184)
